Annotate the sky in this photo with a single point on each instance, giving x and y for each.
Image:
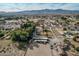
(14, 7)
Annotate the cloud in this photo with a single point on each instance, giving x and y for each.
(72, 6)
(12, 7)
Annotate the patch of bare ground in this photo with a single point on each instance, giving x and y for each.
(8, 48)
(76, 44)
(39, 50)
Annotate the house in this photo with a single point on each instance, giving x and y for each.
(41, 39)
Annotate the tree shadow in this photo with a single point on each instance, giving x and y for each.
(66, 48)
(32, 45)
(25, 46)
(64, 54)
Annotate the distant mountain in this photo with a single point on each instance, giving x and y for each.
(44, 11)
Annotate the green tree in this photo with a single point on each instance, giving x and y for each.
(20, 35)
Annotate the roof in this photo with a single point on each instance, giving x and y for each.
(40, 37)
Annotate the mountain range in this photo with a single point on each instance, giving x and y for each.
(43, 11)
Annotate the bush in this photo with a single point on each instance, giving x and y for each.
(1, 34)
(65, 29)
(66, 41)
(77, 49)
(75, 38)
(63, 18)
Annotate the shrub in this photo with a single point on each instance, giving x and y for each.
(77, 49)
(65, 29)
(75, 38)
(66, 41)
(1, 34)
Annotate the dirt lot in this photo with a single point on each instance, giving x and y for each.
(39, 50)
